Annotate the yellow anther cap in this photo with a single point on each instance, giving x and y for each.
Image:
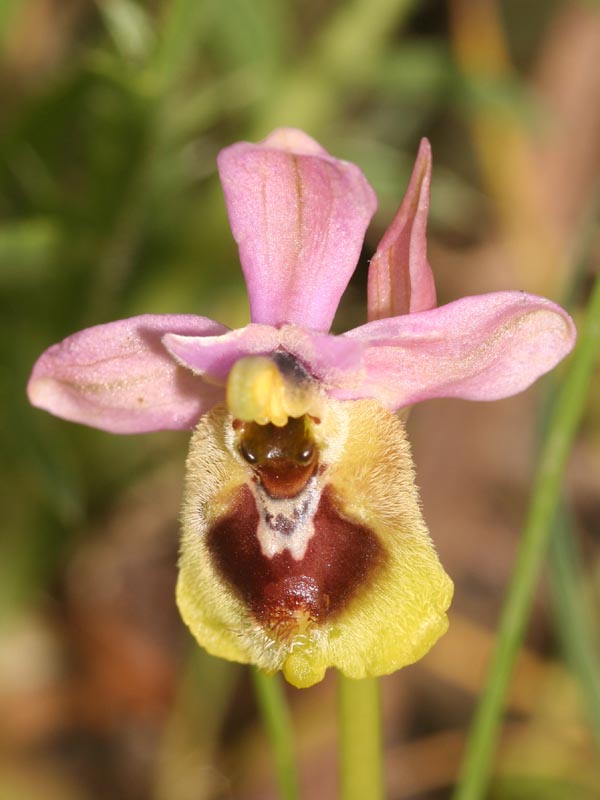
(258, 392)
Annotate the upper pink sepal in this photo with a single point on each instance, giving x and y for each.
(479, 348)
(400, 279)
(120, 378)
(299, 217)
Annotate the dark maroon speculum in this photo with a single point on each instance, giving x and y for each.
(284, 545)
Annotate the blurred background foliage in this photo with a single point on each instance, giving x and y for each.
(112, 114)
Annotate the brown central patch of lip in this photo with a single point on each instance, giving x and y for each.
(285, 594)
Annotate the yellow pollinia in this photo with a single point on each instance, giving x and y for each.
(258, 392)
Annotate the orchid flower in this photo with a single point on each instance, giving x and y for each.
(303, 543)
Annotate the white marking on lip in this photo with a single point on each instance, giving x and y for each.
(287, 524)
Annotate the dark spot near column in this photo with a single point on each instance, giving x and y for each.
(289, 366)
(285, 594)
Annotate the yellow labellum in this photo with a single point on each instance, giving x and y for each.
(394, 612)
(258, 392)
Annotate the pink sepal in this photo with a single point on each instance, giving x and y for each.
(479, 348)
(299, 217)
(120, 378)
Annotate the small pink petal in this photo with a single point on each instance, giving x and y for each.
(299, 217)
(400, 278)
(478, 348)
(212, 357)
(119, 377)
(332, 360)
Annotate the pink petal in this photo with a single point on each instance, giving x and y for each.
(478, 348)
(299, 217)
(400, 278)
(333, 360)
(212, 357)
(119, 377)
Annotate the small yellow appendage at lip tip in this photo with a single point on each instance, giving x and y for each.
(258, 392)
(303, 669)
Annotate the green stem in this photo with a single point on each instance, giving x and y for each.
(546, 493)
(276, 719)
(575, 619)
(359, 713)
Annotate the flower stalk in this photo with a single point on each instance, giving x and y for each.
(361, 753)
(276, 721)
